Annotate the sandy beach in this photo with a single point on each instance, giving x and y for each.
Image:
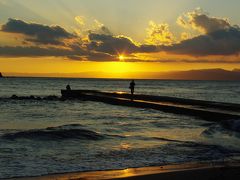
(188, 171)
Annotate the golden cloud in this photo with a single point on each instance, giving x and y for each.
(159, 34)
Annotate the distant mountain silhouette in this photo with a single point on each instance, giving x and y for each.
(202, 74)
(1, 75)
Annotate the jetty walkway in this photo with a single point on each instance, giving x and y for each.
(208, 110)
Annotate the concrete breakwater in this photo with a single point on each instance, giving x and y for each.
(212, 111)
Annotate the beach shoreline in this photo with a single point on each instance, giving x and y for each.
(177, 171)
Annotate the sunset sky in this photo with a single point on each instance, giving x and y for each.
(94, 37)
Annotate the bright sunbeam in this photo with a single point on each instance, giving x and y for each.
(121, 57)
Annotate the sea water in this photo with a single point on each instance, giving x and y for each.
(39, 137)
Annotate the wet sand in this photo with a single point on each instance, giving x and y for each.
(192, 171)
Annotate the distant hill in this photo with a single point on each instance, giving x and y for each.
(200, 74)
(204, 74)
(1, 75)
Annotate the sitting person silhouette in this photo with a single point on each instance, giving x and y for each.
(68, 87)
(132, 86)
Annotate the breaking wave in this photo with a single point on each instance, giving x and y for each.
(73, 131)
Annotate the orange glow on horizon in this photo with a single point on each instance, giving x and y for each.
(59, 67)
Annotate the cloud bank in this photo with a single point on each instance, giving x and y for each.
(217, 37)
(37, 33)
(200, 21)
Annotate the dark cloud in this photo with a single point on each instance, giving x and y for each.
(144, 48)
(219, 36)
(199, 20)
(37, 33)
(197, 60)
(33, 51)
(74, 54)
(93, 56)
(74, 57)
(116, 45)
(111, 44)
(98, 56)
(221, 42)
(210, 24)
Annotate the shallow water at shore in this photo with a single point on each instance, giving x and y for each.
(44, 137)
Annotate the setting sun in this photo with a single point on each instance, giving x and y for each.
(121, 57)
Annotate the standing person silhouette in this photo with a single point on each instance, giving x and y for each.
(132, 86)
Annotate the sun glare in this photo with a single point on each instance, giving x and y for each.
(121, 57)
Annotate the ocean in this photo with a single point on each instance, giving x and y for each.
(40, 137)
